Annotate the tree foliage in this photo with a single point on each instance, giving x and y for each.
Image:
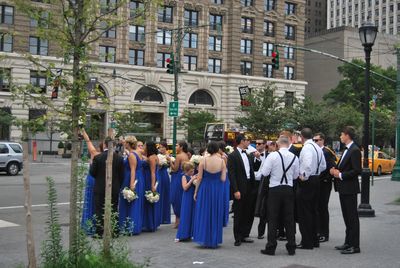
(195, 123)
(131, 121)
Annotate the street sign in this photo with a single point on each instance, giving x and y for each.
(173, 108)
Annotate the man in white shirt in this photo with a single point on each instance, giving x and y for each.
(312, 163)
(282, 167)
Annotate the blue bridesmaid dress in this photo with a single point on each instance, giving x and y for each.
(185, 228)
(209, 211)
(87, 222)
(131, 213)
(151, 215)
(227, 197)
(165, 203)
(176, 191)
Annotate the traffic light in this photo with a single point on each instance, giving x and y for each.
(170, 64)
(275, 59)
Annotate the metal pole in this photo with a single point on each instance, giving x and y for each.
(177, 68)
(373, 138)
(364, 209)
(396, 169)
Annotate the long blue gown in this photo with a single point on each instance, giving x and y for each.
(151, 215)
(165, 203)
(209, 211)
(131, 213)
(87, 222)
(185, 228)
(176, 191)
(227, 197)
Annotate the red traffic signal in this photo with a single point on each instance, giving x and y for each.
(273, 54)
(168, 60)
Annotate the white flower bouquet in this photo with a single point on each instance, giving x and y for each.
(128, 194)
(172, 158)
(162, 160)
(228, 149)
(152, 197)
(195, 159)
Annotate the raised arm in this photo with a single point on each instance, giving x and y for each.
(92, 150)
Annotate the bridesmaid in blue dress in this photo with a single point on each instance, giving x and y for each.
(87, 222)
(165, 202)
(131, 213)
(209, 197)
(176, 178)
(185, 228)
(151, 216)
(227, 185)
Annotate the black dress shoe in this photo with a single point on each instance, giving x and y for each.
(342, 247)
(351, 250)
(247, 240)
(267, 252)
(237, 243)
(301, 246)
(291, 252)
(323, 239)
(260, 237)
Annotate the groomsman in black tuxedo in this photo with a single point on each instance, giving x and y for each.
(325, 188)
(346, 183)
(241, 176)
(98, 171)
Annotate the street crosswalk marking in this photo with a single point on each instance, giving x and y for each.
(7, 224)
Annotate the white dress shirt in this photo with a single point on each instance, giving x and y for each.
(246, 163)
(310, 155)
(273, 166)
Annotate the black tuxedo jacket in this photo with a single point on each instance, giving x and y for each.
(237, 173)
(98, 171)
(257, 163)
(350, 167)
(330, 160)
(294, 150)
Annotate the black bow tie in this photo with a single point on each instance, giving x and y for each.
(262, 154)
(243, 151)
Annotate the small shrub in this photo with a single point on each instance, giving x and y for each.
(60, 145)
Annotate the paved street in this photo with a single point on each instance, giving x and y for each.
(380, 236)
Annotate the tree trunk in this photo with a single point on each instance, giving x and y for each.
(28, 204)
(108, 211)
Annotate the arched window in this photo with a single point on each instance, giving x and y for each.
(146, 93)
(201, 97)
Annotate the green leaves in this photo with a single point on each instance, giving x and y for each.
(195, 123)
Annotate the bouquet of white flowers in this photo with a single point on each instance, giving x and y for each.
(162, 160)
(128, 194)
(228, 149)
(152, 197)
(172, 158)
(195, 159)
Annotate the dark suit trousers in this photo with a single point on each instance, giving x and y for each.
(323, 210)
(243, 210)
(280, 204)
(348, 203)
(99, 199)
(263, 218)
(307, 208)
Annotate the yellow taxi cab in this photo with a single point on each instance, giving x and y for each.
(383, 163)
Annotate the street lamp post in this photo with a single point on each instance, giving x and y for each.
(367, 33)
(396, 170)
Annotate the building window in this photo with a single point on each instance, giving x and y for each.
(268, 48)
(6, 42)
(190, 63)
(38, 46)
(146, 93)
(214, 66)
(214, 43)
(289, 53)
(246, 68)
(43, 21)
(246, 46)
(289, 72)
(247, 25)
(191, 18)
(5, 78)
(215, 22)
(290, 8)
(268, 70)
(289, 99)
(136, 33)
(136, 57)
(164, 37)
(218, 2)
(290, 32)
(6, 14)
(190, 40)
(107, 54)
(136, 9)
(165, 14)
(246, 3)
(269, 28)
(110, 33)
(108, 6)
(39, 80)
(269, 5)
(201, 97)
(161, 58)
